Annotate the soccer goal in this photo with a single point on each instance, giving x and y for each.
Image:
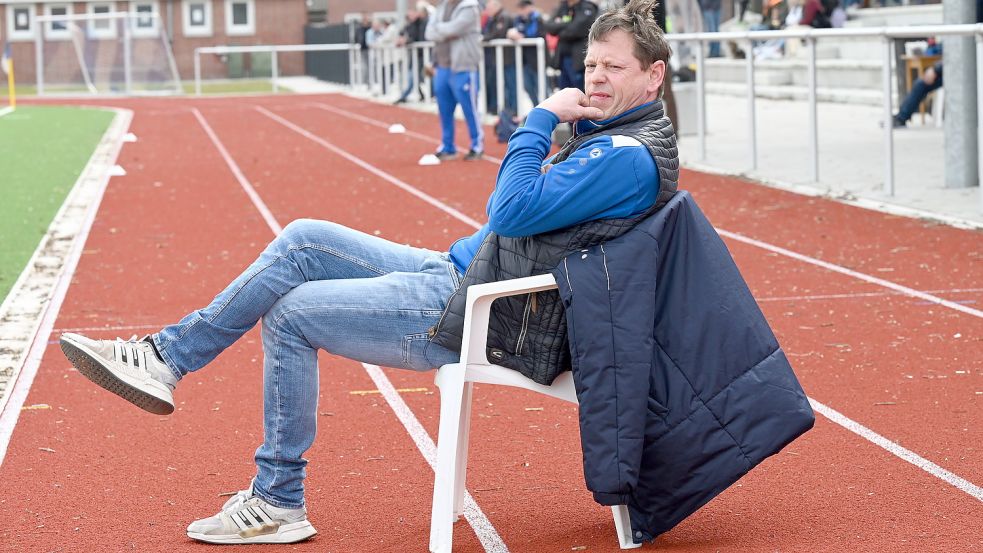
(104, 53)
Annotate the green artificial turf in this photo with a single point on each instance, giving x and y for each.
(42, 153)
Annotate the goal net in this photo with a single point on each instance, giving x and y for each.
(105, 53)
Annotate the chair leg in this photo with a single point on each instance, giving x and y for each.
(461, 453)
(622, 525)
(451, 385)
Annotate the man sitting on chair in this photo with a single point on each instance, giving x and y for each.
(319, 285)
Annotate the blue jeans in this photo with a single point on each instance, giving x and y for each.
(451, 89)
(530, 81)
(318, 285)
(919, 91)
(570, 77)
(711, 20)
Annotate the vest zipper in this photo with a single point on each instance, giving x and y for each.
(525, 324)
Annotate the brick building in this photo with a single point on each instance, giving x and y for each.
(187, 24)
(344, 10)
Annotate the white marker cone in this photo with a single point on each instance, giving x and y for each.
(429, 159)
(396, 128)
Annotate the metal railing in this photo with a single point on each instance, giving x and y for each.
(391, 67)
(811, 36)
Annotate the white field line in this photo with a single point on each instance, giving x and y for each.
(732, 235)
(482, 526)
(62, 245)
(922, 462)
(380, 124)
(906, 454)
(246, 185)
(372, 169)
(856, 295)
(851, 273)
(472, 512)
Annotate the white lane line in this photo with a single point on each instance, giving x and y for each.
(380, 124)
(851, 273)
(372, 169)
(867, 295)
(71, 224)
(482, 526)
(116, 328)
(907, 291)
(250, 191)
(472, 512)
(732, 235)
(904, 453)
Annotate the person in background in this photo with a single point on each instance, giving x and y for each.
(455, 28)
(930, 81)
(571, 23)
(711, 23)
(414, 31)
(496, 24)
(528, 24)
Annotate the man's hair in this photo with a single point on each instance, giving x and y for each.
(638, 20)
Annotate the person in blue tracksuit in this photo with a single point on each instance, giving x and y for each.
(321, 285)
(456, 29)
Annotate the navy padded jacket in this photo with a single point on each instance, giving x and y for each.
(682, 385)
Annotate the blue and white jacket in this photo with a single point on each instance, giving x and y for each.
(610, 176)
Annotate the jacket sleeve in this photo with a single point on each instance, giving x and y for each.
(461, 22)
(609, 295)
(579, 27)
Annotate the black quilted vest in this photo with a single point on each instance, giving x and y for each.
(528, 333)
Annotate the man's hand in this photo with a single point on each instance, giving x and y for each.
(514, 34)
(571, 104)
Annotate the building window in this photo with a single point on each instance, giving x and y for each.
(58, 29)
(143, 18)
(240, 17)
(197, 17)
(103, 28)
(20, 22)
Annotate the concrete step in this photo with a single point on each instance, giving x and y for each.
(800, 93)
(831, 73)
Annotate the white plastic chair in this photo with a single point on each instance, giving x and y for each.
(456, 381)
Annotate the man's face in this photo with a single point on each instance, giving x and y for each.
(614, 78)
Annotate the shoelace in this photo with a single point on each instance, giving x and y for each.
(236, 501)
(130, 354)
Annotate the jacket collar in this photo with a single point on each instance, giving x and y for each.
(586, 126)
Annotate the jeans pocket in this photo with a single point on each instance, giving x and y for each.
(415, 351)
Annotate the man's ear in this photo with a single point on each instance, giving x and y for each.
(657, 75)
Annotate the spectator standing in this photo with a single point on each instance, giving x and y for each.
(414, 31)
(528, 24)
(455, 28)
(711, 23)
(496, 25)
(571, 24)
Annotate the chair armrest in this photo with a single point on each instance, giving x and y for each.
(478, 311)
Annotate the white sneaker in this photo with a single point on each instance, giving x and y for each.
(246, 518)
(129, 369)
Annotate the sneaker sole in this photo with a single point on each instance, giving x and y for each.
(90, 366)
(287, 533)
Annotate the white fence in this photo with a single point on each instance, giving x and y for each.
(391, 68)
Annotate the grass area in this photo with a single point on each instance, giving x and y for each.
(237, 86)
(44, 152)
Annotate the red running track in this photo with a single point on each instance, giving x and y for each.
(179, 226)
